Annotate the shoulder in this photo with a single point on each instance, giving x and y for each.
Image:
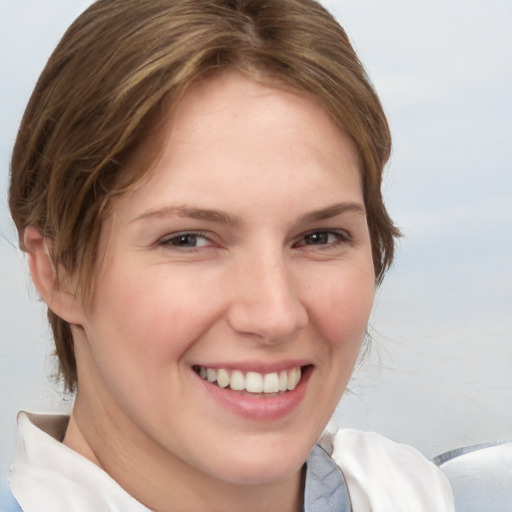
(373, 449)
(382, 475)
(481, 475)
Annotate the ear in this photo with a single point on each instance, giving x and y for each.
(51, 283)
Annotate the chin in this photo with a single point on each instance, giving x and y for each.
(257, 463)
(260, 473)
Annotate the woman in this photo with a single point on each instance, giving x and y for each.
(197, 187)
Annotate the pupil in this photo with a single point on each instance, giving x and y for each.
(186, 241)
(317, 238)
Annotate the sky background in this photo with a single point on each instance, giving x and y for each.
(439, 374)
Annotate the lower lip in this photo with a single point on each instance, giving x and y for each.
(258, 407)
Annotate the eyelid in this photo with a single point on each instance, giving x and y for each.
(342, 237)
(165, 240)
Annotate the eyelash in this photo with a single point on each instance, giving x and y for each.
(341, 237)
(175, 237)
(307, 239)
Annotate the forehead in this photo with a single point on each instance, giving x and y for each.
(230, 130)
(243, 106)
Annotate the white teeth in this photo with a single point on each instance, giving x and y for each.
(271, 383)
(293, 379)
(237, 382)
(222, 378)
(283, 380)
(253, 382)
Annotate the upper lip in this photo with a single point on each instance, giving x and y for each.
(256, 366)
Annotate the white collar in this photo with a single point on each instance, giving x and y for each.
(43, 464)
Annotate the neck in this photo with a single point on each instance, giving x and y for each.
(163, 482)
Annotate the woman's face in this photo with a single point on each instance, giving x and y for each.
(242, 263)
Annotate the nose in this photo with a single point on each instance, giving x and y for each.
(265, 302)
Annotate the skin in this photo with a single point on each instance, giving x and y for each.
(282, 276)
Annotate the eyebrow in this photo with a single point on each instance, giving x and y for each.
(333, 211)
(221, 217)
(191, 213)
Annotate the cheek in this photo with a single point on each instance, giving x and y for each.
(138, 334)
(340, 308)
(153, 315)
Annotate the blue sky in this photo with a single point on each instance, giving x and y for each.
(439, 372)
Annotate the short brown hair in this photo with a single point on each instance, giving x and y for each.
(116, 68)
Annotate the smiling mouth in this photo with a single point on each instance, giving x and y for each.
(252, 382)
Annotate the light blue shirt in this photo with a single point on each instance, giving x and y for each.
(326, 489)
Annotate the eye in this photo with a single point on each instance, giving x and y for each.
(186, 240)
(323, 238)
